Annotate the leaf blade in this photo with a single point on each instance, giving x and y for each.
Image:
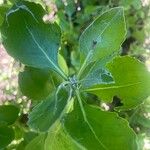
(8, 114)
(100, 42)
(57, 138)
(6, 136)
(129, 75)
(35, 83)
(49, 111)
(100, 39)
(36, 43)
(37, 143)
(105, 126)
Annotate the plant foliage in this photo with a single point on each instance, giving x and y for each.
(62, 117)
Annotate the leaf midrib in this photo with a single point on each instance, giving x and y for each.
(86, 120)
(52, 64)
(113, 87)
(55, 67)
(90, 53)
(40, 48)
(108, 24)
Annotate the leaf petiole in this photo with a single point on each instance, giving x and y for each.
(81, 105)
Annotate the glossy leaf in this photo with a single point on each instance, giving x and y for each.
(99, 130)
(103, 37)
(8, 114)
(6, 136)
(28, 39)
(132, 82)
(44, 115)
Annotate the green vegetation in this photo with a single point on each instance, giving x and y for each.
(82, 90)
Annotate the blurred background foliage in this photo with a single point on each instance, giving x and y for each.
(74, 16)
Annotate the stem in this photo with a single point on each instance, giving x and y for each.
(81, 105)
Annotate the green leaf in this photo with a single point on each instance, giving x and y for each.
(44, 115)
(55, 139)
(96, 73)
(28, 39)
(27, 138)
(8, 114)
(58, 139)
(6, 136)
(35, 83)
(127, 4)
(14, 1)
(3, 9)
(132, 82)
(37, 143)
(103, 37)
(99, 130)
(62, 63)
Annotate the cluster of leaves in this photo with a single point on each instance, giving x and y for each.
(63, 117)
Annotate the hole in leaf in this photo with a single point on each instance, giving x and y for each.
(115, 103)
